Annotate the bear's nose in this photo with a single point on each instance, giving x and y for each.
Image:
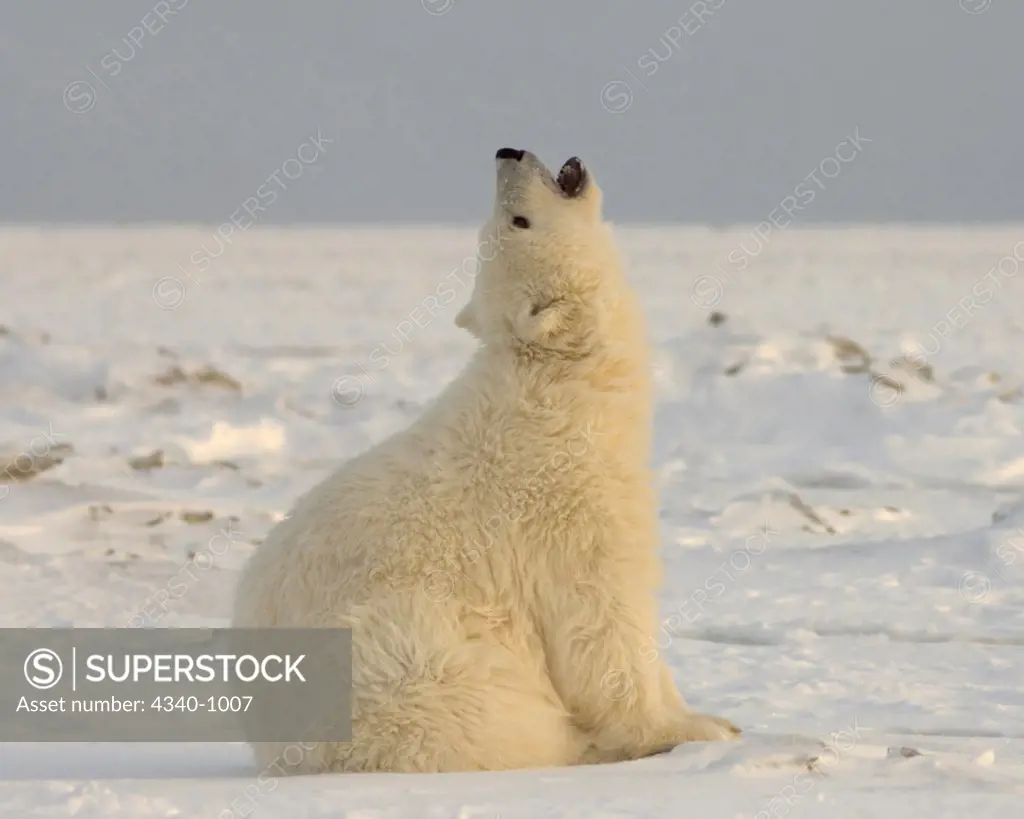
(509, 153)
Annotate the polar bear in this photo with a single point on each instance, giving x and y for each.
(497, 560)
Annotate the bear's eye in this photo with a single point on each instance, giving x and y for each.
(521, 222)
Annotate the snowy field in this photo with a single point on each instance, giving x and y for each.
(838, 448)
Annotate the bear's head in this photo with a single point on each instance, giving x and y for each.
(549, 281)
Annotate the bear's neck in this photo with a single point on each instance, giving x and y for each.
(607, 397)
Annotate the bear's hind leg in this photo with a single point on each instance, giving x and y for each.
(483, 712)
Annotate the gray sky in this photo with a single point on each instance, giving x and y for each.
(727, 107)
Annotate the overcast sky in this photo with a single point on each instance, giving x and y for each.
(710, 112)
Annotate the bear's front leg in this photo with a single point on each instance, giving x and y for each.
(624, 700)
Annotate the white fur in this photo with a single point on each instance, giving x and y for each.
(497, 561)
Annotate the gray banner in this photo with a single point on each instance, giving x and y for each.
(175, 685)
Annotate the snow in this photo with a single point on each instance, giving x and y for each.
(843, 528)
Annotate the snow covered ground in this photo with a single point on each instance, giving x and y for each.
(843, 526)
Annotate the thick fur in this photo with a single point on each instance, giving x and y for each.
(497, 561)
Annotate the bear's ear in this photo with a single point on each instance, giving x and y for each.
(465, 319)
(547, 322)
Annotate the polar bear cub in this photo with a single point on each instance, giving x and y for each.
(497, 560)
